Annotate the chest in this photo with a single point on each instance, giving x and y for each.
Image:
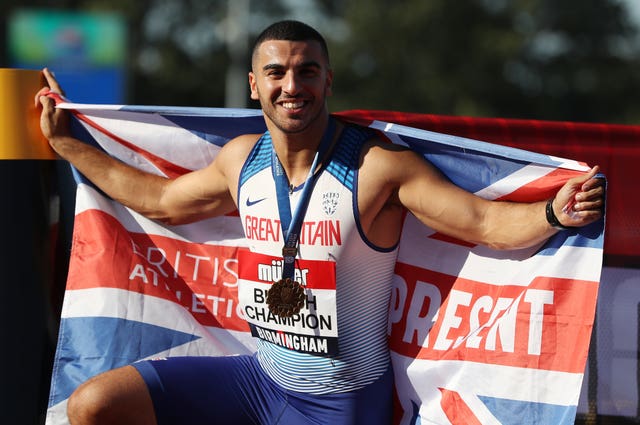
(327, 221)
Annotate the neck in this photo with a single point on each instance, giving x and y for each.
(296, 151)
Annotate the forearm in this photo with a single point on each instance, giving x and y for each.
(151, 195)
(503, 225)
(460, 214)
(131, 187)
(578, 203)
(515, 225)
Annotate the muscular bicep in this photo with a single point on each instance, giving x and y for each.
(195, 196)
(437, 202)
(393, 178)
(208, 192)
(446, 208)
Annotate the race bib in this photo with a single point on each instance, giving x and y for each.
(314, 329)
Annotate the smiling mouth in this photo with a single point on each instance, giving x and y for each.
(292, 105)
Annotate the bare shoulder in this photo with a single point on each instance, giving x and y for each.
(397, 173)
(235, 152)
(378, 146)
(379, 178)
(392, 162)
(240, 146)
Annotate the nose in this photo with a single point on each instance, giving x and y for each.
(291, 84)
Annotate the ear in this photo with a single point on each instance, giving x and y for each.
(329, 80)
(253, 86)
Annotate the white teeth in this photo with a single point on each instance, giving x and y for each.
(291, 105)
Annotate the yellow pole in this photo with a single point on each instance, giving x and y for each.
(20, 135)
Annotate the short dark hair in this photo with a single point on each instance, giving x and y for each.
(290, 30)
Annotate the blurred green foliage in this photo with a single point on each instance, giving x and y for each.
(575, 60)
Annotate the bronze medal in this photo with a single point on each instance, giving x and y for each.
(285, 297)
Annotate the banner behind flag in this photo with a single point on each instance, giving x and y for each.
(477, 335)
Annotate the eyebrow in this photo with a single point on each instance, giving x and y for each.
(308, 64)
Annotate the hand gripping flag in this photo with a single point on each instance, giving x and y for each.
(477, 336)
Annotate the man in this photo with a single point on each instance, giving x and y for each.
(282, 177)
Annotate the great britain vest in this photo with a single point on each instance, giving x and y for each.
(337, 342)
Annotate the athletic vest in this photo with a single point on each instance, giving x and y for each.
(338, 341)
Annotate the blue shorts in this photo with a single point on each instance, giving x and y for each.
(235, 390)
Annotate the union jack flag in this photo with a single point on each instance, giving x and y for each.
(477, 336)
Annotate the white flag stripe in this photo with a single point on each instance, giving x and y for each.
(514, 181)
(495, 267)
(462, 142)
(122, 152)
(89, 107)
(228, 228)
(119, 303)
(171, 142)
(544, 386)
(211, 341)
(57, 414)
(570, 164)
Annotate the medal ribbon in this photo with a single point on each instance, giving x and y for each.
(293, 224)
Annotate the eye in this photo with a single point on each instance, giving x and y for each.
(273, 71)
(309, 72)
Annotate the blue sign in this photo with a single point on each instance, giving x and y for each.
(86, 51)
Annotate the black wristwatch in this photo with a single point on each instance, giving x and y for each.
(551, 217)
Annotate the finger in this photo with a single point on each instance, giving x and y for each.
(42, 92)
(584, 213)
(592, 192)
(589, 200)
(594, 183)
(589, 175)
(47, 104)
(589, 205)
(51, 81)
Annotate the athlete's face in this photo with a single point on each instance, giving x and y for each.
(291, 79)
